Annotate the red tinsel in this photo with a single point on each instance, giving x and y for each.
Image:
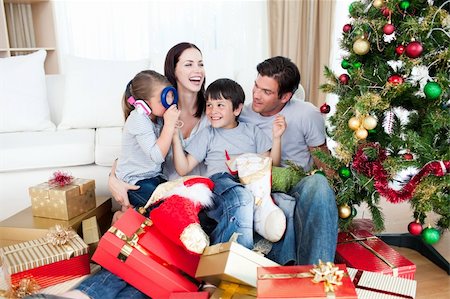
(60, 179)
(376, 170)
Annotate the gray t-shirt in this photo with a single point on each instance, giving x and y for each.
(210, 144)
(305, 127)
(140, 157)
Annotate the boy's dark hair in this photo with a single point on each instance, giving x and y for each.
(283, 70)
(227, 89)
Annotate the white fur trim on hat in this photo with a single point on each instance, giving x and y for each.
(198, 194)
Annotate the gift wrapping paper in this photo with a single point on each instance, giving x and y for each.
(375, 285)
(297, 282)
(231, 262)
(364, 251)
(23, 226)
(231, 290)
(48, 264)
(64, 202)
(136, 251)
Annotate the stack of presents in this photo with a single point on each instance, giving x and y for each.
(38, 252)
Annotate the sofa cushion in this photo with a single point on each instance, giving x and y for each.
(31, 150)
(94, 91)
(23, 96)
(107, 145)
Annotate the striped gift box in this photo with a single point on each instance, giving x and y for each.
(375, 285)
(48, 264)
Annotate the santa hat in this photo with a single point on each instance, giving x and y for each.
(177, 216)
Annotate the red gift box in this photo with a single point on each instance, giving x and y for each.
(296, 282)
(136, 251)
(46, 263)
(364, 251)
(190, 295)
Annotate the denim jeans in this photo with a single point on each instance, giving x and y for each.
(138, 198)
(232, 210)
(105, 285)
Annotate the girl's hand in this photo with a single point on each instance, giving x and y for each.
(279, 126)
(171, 116)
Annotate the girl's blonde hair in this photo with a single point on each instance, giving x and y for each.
(142, 87)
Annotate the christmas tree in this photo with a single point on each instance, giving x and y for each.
(392, 120)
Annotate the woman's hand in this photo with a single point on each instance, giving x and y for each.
(119, 190)
(279, 126)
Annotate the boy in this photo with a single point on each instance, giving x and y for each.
(225, 100)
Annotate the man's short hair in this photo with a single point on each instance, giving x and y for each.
(283, 70)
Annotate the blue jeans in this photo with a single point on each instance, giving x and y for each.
(232, 210)
(138, 198)
(105, 285)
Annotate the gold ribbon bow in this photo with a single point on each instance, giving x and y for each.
(59, 235)
(25, 287)
(327, 273)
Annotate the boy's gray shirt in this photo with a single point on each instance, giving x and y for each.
(305, 128)
(140, 157)
(210, 144)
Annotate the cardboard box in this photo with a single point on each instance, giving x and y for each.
(48, 264)
(64, 202)
(231, 290)
(136, 251)
(232, 262)
(364, 251)
(23, 226)
(375, 285)
(296, 282)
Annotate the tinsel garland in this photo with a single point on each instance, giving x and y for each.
(376, 170)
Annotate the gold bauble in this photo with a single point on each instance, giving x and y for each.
(378, 3)
(354, 123)
(361, 133)
(344, 211)
(369, 122)
(361, 46)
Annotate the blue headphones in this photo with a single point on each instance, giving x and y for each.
(164, 94)
(142, 107)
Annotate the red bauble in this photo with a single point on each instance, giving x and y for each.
(408, 156)
(388, 29)
(344, 78)
(400, 49)
(415, 228)
(325, 108)
(385, 11)
(347, 28)
(414, 49)
(395, 79)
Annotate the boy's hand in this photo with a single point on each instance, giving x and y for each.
(279, 126)
(171, 116)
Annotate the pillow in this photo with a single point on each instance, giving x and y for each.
(94, 90)
(23, 94)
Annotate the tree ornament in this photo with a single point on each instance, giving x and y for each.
(395, 79)
(405, 4)
(373, 131)
(345, 64)
(344, 172)
(400, 49)
(361, 46)
(347, 28)
(432, 90)
(361, 133)
(378, 3)
(430, 235)
(354, 212)
(344, 78)
(354, 123)
(325, 108)
(385, 11)
(408, 156)
(414, 49)
(344, 211)
(357, 64)
(388, 29)
(370, 122)
(351, 7)
(415, 228)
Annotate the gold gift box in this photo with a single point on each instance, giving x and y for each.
(64, 202)
(230, 290)
(23, 226)
(231, 262)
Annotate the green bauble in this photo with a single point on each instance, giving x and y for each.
(345, 64)
(430, 235)
(284, 178)
(357, 65)
(344, 172)
(354, 212)
(405, 4)
(432, 90)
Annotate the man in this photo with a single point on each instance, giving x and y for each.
(311, 208)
